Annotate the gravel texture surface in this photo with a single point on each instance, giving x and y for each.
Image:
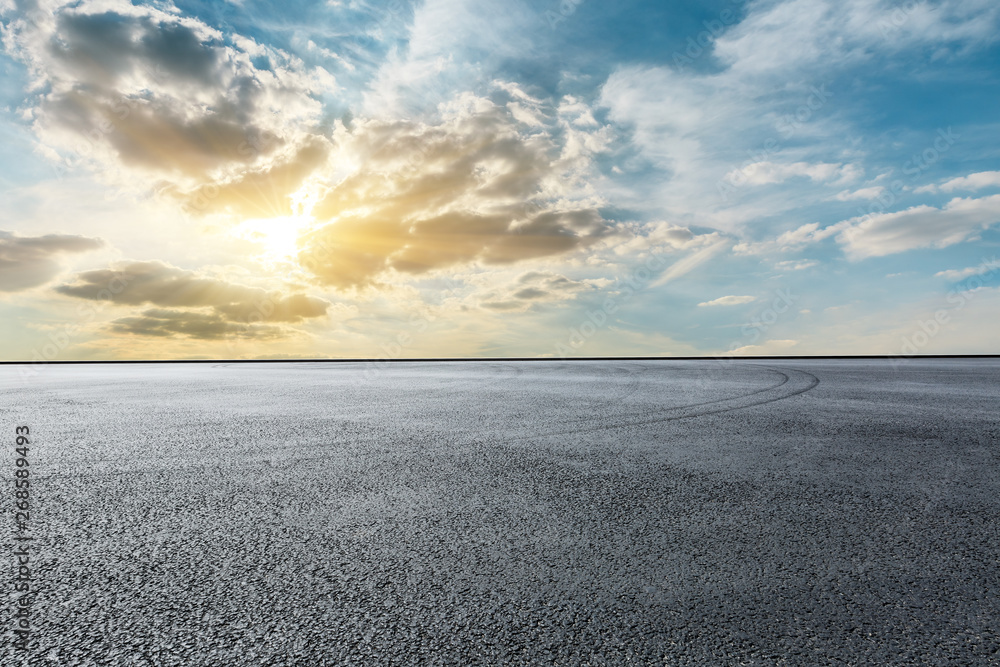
(783, 512)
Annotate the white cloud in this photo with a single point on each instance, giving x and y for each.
(917, 227)
(451, 42)
(863, 194)
(728, 301)
(771, 347)
(796, 264)
(889, 233)
(698, 127)
(525, 115)
(703, 174)
(793, 239)
(835, 33)
(635, 238)
(978, 181)
(577, 112)
(691, 262)
(955, 275)
(763, 173)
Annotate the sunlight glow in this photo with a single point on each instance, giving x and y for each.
(277, 236)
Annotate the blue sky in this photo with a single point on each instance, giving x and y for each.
(452, 178)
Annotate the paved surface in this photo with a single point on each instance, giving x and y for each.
(588, 513)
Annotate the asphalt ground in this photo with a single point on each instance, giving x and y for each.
(785, 512)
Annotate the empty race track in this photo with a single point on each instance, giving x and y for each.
(576, 513)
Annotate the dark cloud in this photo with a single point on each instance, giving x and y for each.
(160, 284)
(533, 288)
(165, 94)
(293, 308)
(157, 136)
(258, 193)
(151, 88)
(167, 323)
(473, 189)
(183, 297)
(103, 48)
(30, 261)
(529, 293)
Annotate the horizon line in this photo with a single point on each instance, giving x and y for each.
(484, 359)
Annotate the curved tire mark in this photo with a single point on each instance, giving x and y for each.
(793, 383)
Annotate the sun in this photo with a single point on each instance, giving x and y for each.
(278, 236)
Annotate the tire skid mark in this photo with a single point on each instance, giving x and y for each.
(794, 382)
(654, 413)
(616, 382)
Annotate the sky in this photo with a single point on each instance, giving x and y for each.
(459, 178)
